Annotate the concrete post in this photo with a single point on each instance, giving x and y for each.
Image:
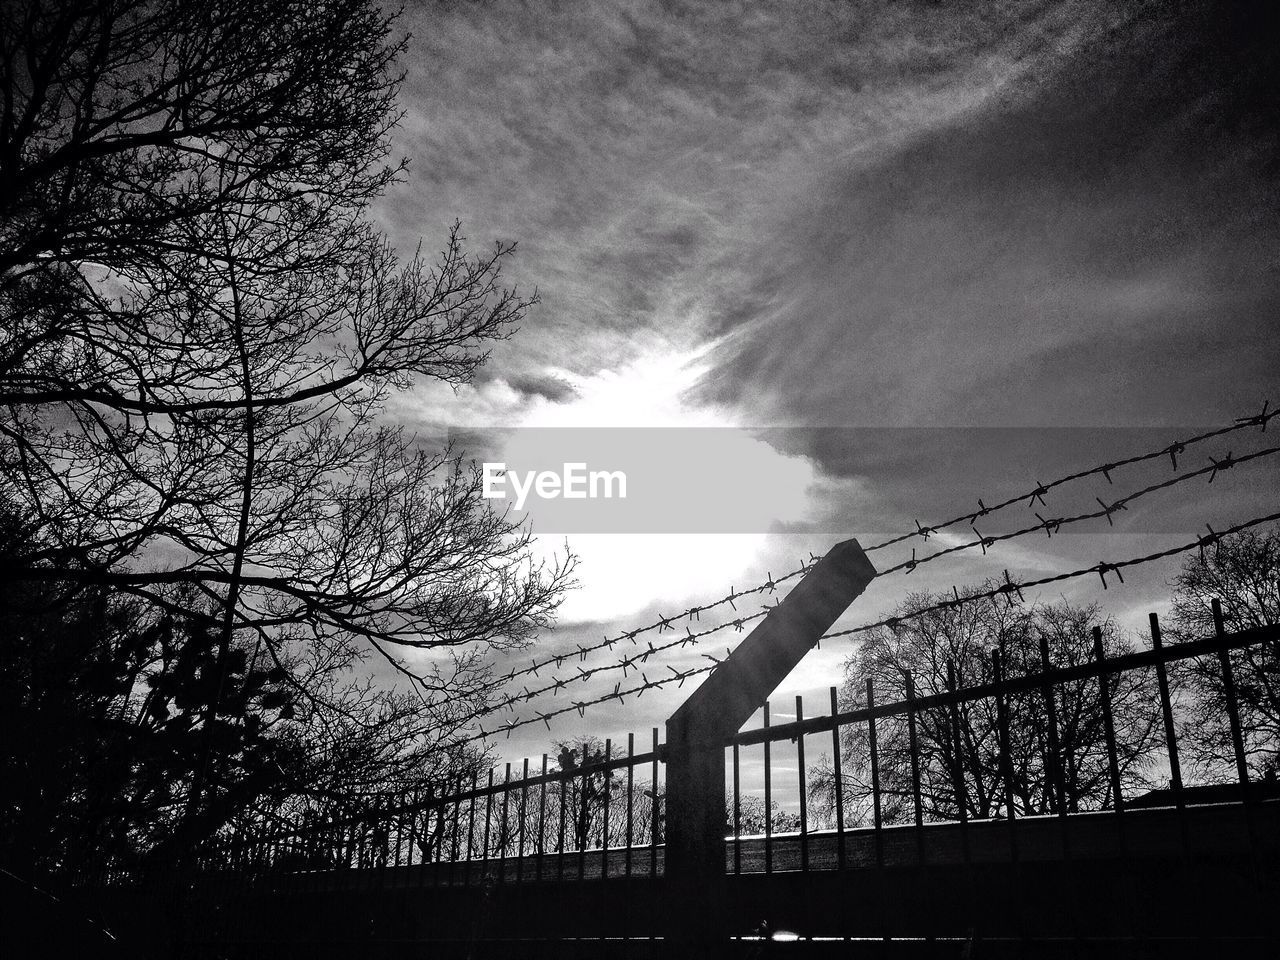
(697, 731)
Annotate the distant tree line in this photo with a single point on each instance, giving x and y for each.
(958, 761)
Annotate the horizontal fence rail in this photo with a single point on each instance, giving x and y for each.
(1030, 682)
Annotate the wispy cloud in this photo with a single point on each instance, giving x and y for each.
(821, 213)
(649, 157)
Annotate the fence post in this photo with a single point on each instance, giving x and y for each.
(698, 730)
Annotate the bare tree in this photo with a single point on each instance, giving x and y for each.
(106, 701)
(964, 636)
(202, 330)
(1243, 573)
(751, 816)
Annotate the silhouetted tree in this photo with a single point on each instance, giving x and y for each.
(202, 330)
(965, 636)
(751, 816)
(584, 794)
(104, 701)
(1242, 571)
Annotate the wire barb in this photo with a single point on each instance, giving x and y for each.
(1259, 419)
(1009, 589)
(1108, 510)
(1038, 494)
(1226, 463)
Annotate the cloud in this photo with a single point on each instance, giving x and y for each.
(648, 157)
(1092, 250)
(546, 386)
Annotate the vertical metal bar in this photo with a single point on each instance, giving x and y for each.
(391, 823)
(457, 816)
(737, 812)
(604, 827)
(542, 818)
(1233, 706)
(584, 822)
(768, 800)
(362, 838)
(875, 774)
(422, 820)
(329, 841)
(391, 817)
(564, 804)
(433, 829)
(488, 815)
(383, 836)
(410, 821)
(657, 811)
(1006, 757)
(1109, 730)
(1166, 709)
(1108, 721)
(1055, 786)
(962, 797)
(913, 745)
(399, 821)
(347, 839)
(838, 774)
(413, 824)
(631, 753)
(503, 825)
(524, 810)
(407, 800)
(290, 842)
(310, 836)
(417, 835)
(1171, 739)
(471, 830)
(804, 791)
(305, 850)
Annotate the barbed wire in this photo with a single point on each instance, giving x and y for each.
(1171, 451)
(1054, 524)
(677, 677)
(1008, 589)
(1050, 526)
(641, 656)
(1011, 588)
(690, 614)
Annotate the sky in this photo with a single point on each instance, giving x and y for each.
(812, 270)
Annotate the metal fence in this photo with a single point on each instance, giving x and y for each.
(933, 822)
(583, 817)
(600, 816)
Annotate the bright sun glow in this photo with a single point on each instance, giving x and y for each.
(621, 573)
